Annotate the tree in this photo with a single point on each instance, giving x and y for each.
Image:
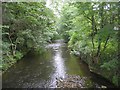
(26, 26)
(90, 29)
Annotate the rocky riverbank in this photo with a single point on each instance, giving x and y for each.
(71, 81)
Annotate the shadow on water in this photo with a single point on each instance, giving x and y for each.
(40, 71)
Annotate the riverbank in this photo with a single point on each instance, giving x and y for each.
(12, 61)
(74, 81)
(95, 69)
(71, 81)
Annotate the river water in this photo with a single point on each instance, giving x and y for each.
(41, 71)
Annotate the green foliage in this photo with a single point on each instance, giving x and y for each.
(26, 26)
(111, 65)
(115, 80)
(89, 28)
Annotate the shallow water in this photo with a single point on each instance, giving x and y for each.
(41, 71)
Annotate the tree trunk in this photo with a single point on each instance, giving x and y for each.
(106, 42)
(101, 26)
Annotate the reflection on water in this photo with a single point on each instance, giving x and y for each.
(59, 65)
(41, 71)
(58, 62)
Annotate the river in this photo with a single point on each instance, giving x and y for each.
(41, 71)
